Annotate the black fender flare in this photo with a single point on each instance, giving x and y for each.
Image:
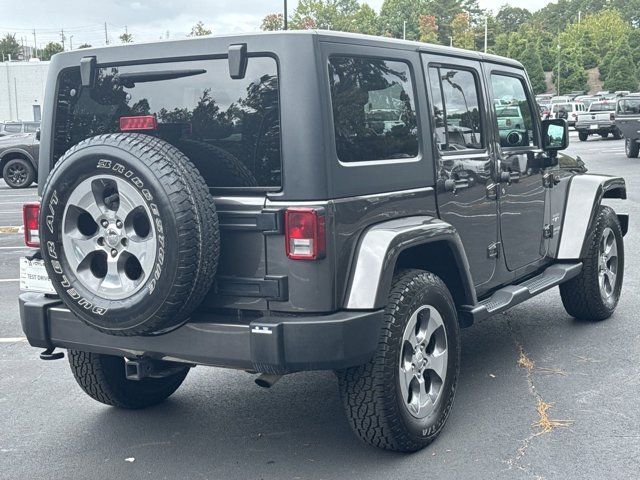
(584, 197)
(378, 251)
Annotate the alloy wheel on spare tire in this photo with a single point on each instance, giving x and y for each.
(129, 234)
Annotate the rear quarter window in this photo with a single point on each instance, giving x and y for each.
(373, 106)
(230, 128)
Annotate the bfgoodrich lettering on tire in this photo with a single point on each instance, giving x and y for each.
(129, 234)
(401, 399)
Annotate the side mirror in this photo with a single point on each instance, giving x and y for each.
(555, 135)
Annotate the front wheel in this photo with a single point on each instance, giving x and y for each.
(594, 294)
(632, 149)
(401, 399)
(103, 378)
(583, 136)
(19, 173)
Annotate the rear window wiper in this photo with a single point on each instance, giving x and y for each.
(130, 79)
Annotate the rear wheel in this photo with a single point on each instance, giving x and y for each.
(594, 294)
(401, 399)
(103, 378)
(583, 136)
(19, 173)
(617, 135)
(632, 148)
(604, 134)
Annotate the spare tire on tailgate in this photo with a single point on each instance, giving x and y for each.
(129, 234)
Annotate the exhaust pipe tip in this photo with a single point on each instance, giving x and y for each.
(267, 380)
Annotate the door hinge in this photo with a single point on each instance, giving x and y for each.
(493, 250)
(547, 231)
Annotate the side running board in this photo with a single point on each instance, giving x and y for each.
(512, 295)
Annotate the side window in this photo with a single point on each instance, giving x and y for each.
(373, 109)
(13, 127)
(515, 116)
(456, 109)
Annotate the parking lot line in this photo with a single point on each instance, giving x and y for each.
(12, 339)
(17, 247)
(9, 280)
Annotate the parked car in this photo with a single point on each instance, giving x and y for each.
(567, 111)
(628, 123)
(599, 120)
(509, 116)
(261, 236)
(14, 128)
(19, 159)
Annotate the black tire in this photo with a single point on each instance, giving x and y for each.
(371, 393)
(605, 135)
(218, 167)
(184, 217)
(19, 173)
(102, 377)
(583, 136)
(582, 296)
(632, 149)
(617, 134)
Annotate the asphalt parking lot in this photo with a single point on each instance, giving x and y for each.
(219, 425)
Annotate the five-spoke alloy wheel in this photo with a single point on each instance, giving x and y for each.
(401, 399)
(109, 236)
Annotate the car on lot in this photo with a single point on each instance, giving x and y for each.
(628, 123)
(19, 159)
(226, 201)
(509, 116)
(16, 128)
(600, 119)
(567, 111)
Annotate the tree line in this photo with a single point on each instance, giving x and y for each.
(567, 38)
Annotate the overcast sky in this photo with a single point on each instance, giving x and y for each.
(148, 20)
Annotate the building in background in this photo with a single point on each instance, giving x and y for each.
(22, 90)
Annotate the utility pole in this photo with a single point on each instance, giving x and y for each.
(286, 16)
(558, 79)
(486, 33)
(35, 44)
(62, 38)
(71, 42)
(451, 41)
(106, 35)
(579, 15)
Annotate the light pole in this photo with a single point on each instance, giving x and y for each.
(286, 20)
(558, 79)
(486, 33)
(404, 30)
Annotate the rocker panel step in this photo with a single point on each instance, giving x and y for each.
(512, 295)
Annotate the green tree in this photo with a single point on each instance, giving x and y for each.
(84, 45)
(446, 10)
(461, 32)
(394, 13)
(126, 37)
(366, 20)
(570, 66)
(199, 30)
(524, 46)
(509, 19)
(622, 73)
(428, 29)
(272, 22)
(326, 14)
(50, 50)
(10, 46)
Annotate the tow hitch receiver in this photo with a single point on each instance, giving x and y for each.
(146, 367)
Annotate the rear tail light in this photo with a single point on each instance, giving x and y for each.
(142, 122)
(305, 233)
(30, 213)
(508, 122)
(612, 116)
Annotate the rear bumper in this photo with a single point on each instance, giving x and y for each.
(602, 127)
(270, 344)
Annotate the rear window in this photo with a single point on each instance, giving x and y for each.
(373, 109)
(601, 107)
(30, 127)
(13, 127)
(229, 128)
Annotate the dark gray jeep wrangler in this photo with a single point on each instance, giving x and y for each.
(284, 202)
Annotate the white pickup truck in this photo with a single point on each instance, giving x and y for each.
(600, 119)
